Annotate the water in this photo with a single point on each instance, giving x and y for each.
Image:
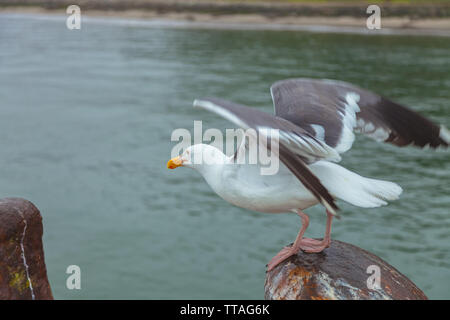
(85, 124)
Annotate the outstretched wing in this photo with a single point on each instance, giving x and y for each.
(296, 145)
(331, 110)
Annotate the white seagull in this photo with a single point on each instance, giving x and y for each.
(316, 121)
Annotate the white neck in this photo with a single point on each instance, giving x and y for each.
(213, 166)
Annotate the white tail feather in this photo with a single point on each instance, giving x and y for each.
(353, 188)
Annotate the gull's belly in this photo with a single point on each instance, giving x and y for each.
(278, 204)
(272, 194)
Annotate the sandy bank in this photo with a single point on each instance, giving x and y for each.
(171, 14)
(416, 9)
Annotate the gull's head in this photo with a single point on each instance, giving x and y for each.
(197, 156)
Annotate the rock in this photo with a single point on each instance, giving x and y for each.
(23, 274)
(340, 272)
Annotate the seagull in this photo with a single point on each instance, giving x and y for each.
(316, 120)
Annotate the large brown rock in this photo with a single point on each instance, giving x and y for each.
(340, 272)
(22, 267)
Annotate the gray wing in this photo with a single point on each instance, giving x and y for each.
(331, 110)
(296, 146)
(295, 138)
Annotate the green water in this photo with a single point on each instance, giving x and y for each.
(85, 124)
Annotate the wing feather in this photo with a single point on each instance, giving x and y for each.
(333, 110)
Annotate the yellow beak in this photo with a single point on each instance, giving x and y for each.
(174, 163)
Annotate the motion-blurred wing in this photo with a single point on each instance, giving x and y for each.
(331, 110)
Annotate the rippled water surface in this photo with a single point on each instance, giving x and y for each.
(85, 124)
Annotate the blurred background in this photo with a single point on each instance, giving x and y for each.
(86, 118)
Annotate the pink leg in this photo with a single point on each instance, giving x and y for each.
(314, 246)
(286, 252)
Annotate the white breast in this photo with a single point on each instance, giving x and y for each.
(244, 186)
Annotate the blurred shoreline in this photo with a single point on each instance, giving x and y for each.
(403, 18)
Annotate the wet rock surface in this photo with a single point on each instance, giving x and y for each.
(341, 272)
(23, 274)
